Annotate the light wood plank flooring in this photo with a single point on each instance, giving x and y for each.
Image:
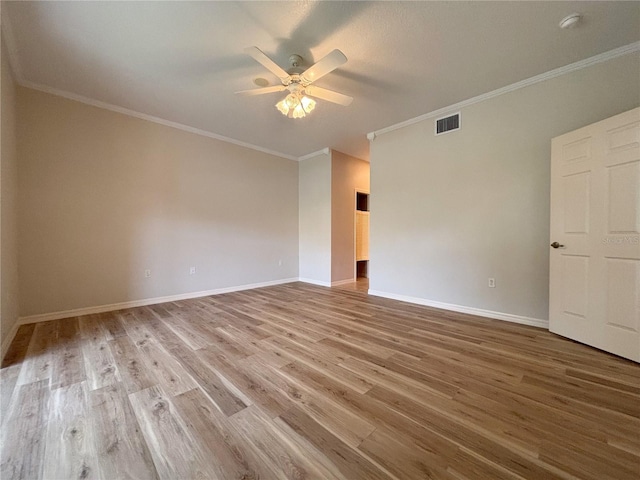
(304, 382)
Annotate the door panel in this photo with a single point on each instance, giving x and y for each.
(577, 150)
(575, 276)
(624, 198)
(576, 203)
(622, 142)
(622, 302)
(595, 216)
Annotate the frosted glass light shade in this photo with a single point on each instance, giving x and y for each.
(296, 105)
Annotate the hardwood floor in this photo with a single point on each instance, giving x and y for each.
(305, 382)
(360, 285)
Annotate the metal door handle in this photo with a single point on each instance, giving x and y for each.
(556, 245)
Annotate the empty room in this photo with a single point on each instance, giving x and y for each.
(351, 240)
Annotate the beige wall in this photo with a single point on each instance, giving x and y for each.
(450, 211)
(315, 219)
(348, 174)
(8, 205)
(104, 196)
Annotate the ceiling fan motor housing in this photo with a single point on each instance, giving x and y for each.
(296, 65)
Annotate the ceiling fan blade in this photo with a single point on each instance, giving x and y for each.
(328, 95)
(324, 66)
(261, 91)
(269, 64)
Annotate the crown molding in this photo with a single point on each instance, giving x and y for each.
(324, 151)
(162, 121)
(572, 67)
(150, 118)
(20, 80)
(371, 136)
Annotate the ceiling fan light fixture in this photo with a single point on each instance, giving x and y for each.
(296, 105)
(298, 112)
(307, 103)
(283, 107)
(292, 101)
(299, 81)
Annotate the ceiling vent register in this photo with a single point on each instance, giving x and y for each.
(448, 124)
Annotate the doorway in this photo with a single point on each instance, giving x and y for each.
(362, 235)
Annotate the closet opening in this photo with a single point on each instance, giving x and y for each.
(362, 235)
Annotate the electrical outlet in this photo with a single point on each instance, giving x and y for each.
(192, 271)
(147, 273)
(492, 283)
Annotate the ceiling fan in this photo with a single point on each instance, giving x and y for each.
(298, 82)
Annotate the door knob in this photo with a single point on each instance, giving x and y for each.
(556, 245)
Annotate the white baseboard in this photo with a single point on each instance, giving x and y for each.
(508, 317)
(43, 317)
(6, 341)
(314, 282)
(343, 282)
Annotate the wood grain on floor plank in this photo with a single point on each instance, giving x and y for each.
(301, 382)
(70, 446)
(23, 432)
(121, 448)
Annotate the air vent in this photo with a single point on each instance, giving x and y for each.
(448, 124)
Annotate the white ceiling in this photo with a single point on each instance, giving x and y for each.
(182, 61)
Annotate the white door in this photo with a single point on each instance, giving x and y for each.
(595, 235)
